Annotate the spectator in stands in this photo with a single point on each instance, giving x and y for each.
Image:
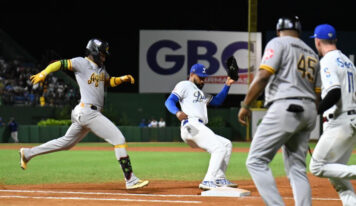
(142, 123)
(13, 129)
(16, 88)
(1, 122)
(153, 123)
(2, 86)
(161, 122)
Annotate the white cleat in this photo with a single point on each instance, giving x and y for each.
(207, 185)
(225, 183)
(23, 161)
(135, 183)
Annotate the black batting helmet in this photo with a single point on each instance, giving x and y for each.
(95, 46)
(289, 23)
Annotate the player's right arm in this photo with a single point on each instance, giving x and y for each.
(179, 92)
(171, 105)
(53, 67)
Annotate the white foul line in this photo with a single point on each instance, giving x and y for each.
(96, 193)
(147, 195)
(100, 199)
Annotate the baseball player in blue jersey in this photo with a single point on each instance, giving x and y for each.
(338, 107)
(194, 117)
(92, 77)
(289, 72)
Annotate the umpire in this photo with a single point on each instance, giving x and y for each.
(289, 73)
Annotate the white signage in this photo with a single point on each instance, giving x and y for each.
(166, 57)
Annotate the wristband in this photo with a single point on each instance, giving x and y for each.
(245, 105)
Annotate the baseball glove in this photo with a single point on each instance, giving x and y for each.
(232, 68)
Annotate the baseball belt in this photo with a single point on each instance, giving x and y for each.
(186, 121)
(298, 98)
(331, 116)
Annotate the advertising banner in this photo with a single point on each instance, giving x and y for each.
(166, 57)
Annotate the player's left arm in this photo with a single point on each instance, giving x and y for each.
(115, 81)
(331, 98)
(220, 97)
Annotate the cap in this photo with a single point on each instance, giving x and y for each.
(324, 31)
(199, 70)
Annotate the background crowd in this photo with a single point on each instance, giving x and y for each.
(16, 88)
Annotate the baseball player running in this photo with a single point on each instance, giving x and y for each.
(194, 117)
(290, 73)
(338, 107)
(91, 76)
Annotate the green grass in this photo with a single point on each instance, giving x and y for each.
(139, 144)
(76, 166)
(149, 144)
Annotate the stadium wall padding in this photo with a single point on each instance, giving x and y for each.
(40, 134)
(124, 109)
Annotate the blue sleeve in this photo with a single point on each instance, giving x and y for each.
(171, 104)
(219, 98)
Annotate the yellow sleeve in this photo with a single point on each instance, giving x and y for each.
(55, 66)
(66, 64)
(114, 81)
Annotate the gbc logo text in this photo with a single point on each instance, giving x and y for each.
(192, 55)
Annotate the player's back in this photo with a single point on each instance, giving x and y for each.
(295, 66)
(338, 64)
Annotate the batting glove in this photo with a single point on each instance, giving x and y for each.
(128, 78)
(40, 77)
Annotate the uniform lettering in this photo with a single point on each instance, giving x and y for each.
(96, 78)
(343, 64)
(303, 49)
(199, 97)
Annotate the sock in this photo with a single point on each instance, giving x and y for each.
(120, 152)
(126, 167)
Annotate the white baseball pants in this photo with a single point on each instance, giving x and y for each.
(332, 153)
(84, 119)
(196, 134)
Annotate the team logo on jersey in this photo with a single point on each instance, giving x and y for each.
(199, 97)
(327, 72)
(268, 54)
(96, 78)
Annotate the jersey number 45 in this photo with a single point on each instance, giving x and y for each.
(307, 67)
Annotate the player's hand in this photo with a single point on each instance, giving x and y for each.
(128, 78)
(229, 81)
(181, 115)
(244, 115)
(39, 77)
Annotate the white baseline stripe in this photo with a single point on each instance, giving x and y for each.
(99, 199)
(129, 194)
(318, 198)
(291, 198)
(96, 193)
